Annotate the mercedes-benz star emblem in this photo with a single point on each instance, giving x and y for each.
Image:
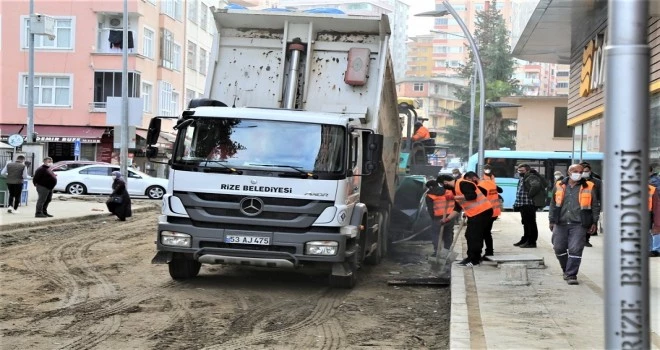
(251, 206)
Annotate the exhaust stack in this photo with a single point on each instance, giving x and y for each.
(296, 48)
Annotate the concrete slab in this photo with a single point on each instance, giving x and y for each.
(514, 275)
(529, 260)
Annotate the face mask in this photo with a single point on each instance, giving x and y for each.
(487, 171)
(557, 177)
(576, 176)
(48, 164)
(586, 174)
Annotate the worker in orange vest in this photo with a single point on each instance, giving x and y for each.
(494, 198)
(440, 204)
(421, 132)
(488, 173)
(478, 209)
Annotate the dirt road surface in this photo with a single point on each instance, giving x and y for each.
(91, 285)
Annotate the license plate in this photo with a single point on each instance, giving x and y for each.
(247, 240)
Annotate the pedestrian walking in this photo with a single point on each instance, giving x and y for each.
(119, 202)
(573, 214)
(16, 173)
(493, 196)
(472, 200)
(44, 180)
(440, 204)
(588, 174)
(530, 195)
(654, 209)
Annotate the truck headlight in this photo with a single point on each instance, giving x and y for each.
(321, 248)
(175, 239)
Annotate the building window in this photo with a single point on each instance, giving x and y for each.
(192, 10)
(360, 6)
(108, 84)
(441, 21)
(190, 95)
(456, 49)
(455, 64)
(175, 103)
(147, 92)
(203, 65)
(440, 64)
(418, 87)
(499, 5)
(561, 129)
(64, 35)
(191, 56)
(148, 43)
(439, 49)
(654, 141)
(203, 17)
(478, 7)
(51, 91)
(165, 98)
(166, 49)
(459, 7)
(171, 8)
(176, 57)
(563, 73)
(562, 85)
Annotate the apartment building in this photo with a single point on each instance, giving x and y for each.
(169, 43)
(435, 99)
(396, 10)
(420, 56)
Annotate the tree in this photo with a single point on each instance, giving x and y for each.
(492, 39)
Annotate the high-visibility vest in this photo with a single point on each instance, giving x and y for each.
(584, 195)
(442, 206)
(421, 134)
(489, 177)
(651, 193)
(471, 208)
(492, 196)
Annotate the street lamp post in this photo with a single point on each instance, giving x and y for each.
(444, 9)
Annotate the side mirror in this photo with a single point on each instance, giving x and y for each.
(151, 152)
(154, 131)
(372, 153)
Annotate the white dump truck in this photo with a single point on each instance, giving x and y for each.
(290, 159)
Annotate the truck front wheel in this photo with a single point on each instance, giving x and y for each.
(181, 269)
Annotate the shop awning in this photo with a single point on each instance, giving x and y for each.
(164, 139)
(57, 133)
(547, 35)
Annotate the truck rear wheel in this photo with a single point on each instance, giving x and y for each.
(181, 269)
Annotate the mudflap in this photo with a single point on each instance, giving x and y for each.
(344, 274)
(162, 258)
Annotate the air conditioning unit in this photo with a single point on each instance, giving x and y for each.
(115, 22)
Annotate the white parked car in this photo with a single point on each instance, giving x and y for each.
(97, 179)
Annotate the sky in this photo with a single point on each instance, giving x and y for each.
(419, 25)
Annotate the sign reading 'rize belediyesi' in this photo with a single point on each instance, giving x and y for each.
(249, 188)
(59, 139)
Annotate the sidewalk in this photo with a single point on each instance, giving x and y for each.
(546, 314)
(65, 208)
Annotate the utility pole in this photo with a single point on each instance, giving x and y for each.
(626, 191)
(473, 95)
(123, 152)
(30, 96)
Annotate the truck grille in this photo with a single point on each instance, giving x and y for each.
(268, 211)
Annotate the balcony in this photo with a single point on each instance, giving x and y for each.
(530, 82)
(97, 107)
(109, 37)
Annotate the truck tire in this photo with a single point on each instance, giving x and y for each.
(181, 269)
(376, 256)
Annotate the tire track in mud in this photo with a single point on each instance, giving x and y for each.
(324, 308)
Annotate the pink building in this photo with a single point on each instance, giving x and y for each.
(77, 72)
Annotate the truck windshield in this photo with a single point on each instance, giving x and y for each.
(249, 143)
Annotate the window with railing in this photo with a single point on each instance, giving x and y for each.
(109, 84)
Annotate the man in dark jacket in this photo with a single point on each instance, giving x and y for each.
(574, 212)
(16, 173)
(589, 175)
(44, 180)
(530, 195)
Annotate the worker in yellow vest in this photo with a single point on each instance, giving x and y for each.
(440, 204)
(573, 214)
(494, 199)
(478, 209)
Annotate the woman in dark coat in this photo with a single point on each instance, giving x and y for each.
(121, 207)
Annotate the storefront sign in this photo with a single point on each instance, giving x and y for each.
(592, 76)
(58, 139)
